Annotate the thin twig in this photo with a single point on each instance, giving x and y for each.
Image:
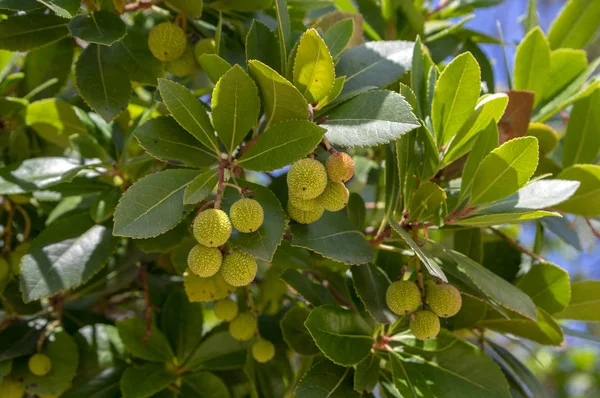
(27, 230)
(419, 271)
(8, 230)
(221, 186)
(517, 245)
(594, 230)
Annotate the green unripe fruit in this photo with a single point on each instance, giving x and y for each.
(4, 269)
(205, 261)
(226, 310)
(340, 167)
(212, 228)
(16, 256)
(445, 300)
(184, 65)
(243, 327)
(307, 179)
(304, 204)
(263, 351)
(247, 215)
(205, 289)
(403, 297)
(239, 269)
(167, 41)
(204, 46)
(11, 388)
(334, 197)
(304, 216)
(39, 364)
(425, 325)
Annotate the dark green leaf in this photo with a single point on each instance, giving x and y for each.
(219, 351)
(371, 283)
(313, 292)
(543, 330)
(46, 63)
(133, 54)
(200, 187)
(367, 374)
(30, 31)
(294, 332)
(326, 380)
(154, 348)
(104, 205)
(146, 380)
(166, 242)
(204, 385)
(101, 27)
(181, 321)
(432, 267)
(338, 36)
(190, 8)
(260, 43)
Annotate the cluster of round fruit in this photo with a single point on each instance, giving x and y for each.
(168, 43)
(243, 327)
(314, 188)
(212, 229)
(39, 364)
(443, 300)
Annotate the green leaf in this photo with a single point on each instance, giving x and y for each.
(370, 119)
(104, 205)
(146, 380)
(263, 242)
(5, 367)
(314, 73)
(338, 36)
(155, 348)
(153, 205)
(485, 143)
(294, 332)
(281, 100)
(546, 136)
(181, 321)
(62, 351)
(235, 107)
(102, 81)
(421, 64)
(16, 5)
(106, 382)
(200, 187)
(374, 64)
(548, 286)
(190, 8)
(189, 112)
(165, 242)
(101, 27)
(134, 56)
(47, 63)
(204, 385)
(424, 373)
(214, 66)
(367, 374)
(326, 380)
(371, 283)
(575, 25)
(432, 267)
(505, 170)
(334, 237)
(562, 228)
(428, 203)
(342, 335)
(313, 292)
(582, 139)
(63, 8)
(455, 96)
(167, 141)
(245, 5)
(66, 254)
(565, 65)
(543, 330)
(283, 31)
(100, 347)
(282, 144)
(36, 174)
(54, 120)
(585, 298)
(30, 31)
(532, 64)
(489, 220)
(338, 86)
(260, 43)
(218, 351)
(586, 200)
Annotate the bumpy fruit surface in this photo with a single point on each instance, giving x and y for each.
(304, 216)
(204, 46)
(263, 351)
(239, 269)
(167, 41)
(226, 310)
(445, 300)
(205, 289)
(205, 261)
(4, 269)
(425, 325)
(11, 388)
(184, 65)
(247, 215)
(307, 179)
(334, 197)
(340, 167)
(212, 228)
(242, 328)
(304, 204)
(16, 256)
(39, 364)
(403, 297)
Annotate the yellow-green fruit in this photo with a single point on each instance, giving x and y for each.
(243, 327)
(4, 269)
(334, 197)
(304, 204)
(200, 289)
(403, 297)
(445, 300)
(307, 179)
(167, 41)
(425, 325)
(184, 65)
(212, 228)
(39, 364)
(10, 388)
(226, 310)
(204, 46)
(263, 351)
(205, 261)
(16, 256)
(247, 215)
(239, 269)
(304, 216)
(340, 167)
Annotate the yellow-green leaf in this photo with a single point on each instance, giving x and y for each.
(314, 73)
